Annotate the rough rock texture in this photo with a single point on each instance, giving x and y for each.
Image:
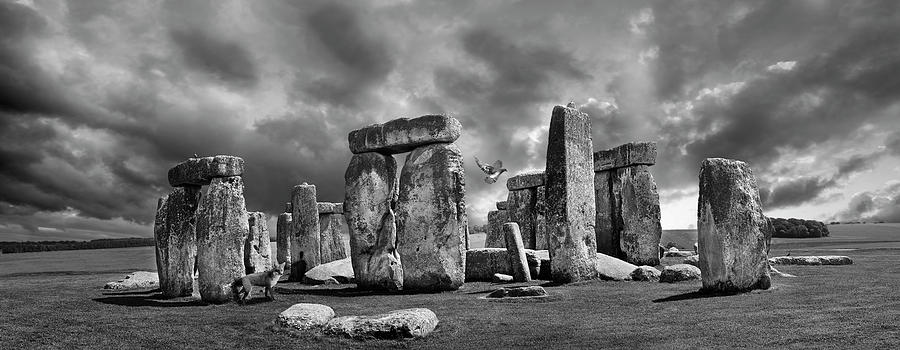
(403, 135)
(521, 210)
(636, 206)
(494, 236)
(304, 317)
(340, 270)
(306, 242)
(256, 249)
(200, 171)
(501, 278)
(431, 218)
(283, 231)
(612, 269)
(811, 260)
(678, 253)
(332, 232)
(176, 240)
(570, 196)
(732, 230)
(679, 272)
(406, 323)
(515, 252)
(501, 205)
(692, 260)
(222, 228)
(629, 154)
(482, 263)
(370, 197)
(541, 234)
(330, 208)
(645, 273)
(525, 180)
(518, 292)
(136, 280)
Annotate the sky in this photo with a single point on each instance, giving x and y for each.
(98, 99)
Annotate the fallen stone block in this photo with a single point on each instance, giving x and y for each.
(501, 278)
(629, 154)
(304, 317)
(482, 263)
(403, 135)
(135, 280)
(518, 292)
(339, 270)
(645, 273)
(811, 260)
(398, 324)
(679, 273)
(200, 171)
(613, 269)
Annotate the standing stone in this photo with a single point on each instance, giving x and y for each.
(257, 254)
(494, 237)
(222, 227)
(431, 218)
(732, 230)
(331, 230)
(637, 214)
(541, 235)
(520, 204)
(305, 244)
(284, 230)
(369, 199)
(515, 252)
(403, 135)
(570, 196)
(176, 245)
(605, 226)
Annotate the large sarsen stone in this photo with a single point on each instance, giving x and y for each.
(306, 243)
(176, 240)
(222, 228)
(403, 135)
(256, 249)
(200, 171)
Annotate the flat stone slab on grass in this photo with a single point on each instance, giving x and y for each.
(518, 292)
(200, 171)
(679, 273)
(340, 271)
(406, 323)
(135, 280)
(613, 269)
(304, 317)
(811, 260)
(403, 135)
(692, 260)
(645, 273)
(502, 278)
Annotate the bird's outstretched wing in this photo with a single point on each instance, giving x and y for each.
(497, 165)
(487, 169)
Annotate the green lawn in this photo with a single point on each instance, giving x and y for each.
(825, 307)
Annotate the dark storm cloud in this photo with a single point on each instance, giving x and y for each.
(856, 164)
(795, 192)
(893, 143)
(362, 59)
(222, 58)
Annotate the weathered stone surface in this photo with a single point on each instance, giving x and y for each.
(306, 242)
(406, 323)
(692, 260)
(304, 317)
(370, 196)
(541, 234)
(679, 273)
(645, 273)
(501, 205)
(521, 210)
(811, 260)
(330, 208)
(501, 278)
(431, 218)
(482, 263)
(283, 231)
(176, 240)
(256, 248)
(612, 269)
(525, 180)
(200, 171)
(605, 225)
(403, 135)
(570, 196)
(518, 292)
(629, 154)
(222, 228)
(288, 207)
(732, 230)
(494, 236)
(136, 280)
(678, 253)
(515, 252)
(636, 206)
(340, 270)
(332, 232)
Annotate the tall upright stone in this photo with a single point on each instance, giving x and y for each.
(570, 196)
(176, 245)
(222, 228)
(732, 230)
(305, 244)
(494, 234)
(431, 218)
(370, 197)
(257, 253)
(520, 204)
(541, 234)
(515, 252)
(525, 206)
(606, 217)
(284, 231)
(332, 227)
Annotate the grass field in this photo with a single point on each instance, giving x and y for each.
(825, 307)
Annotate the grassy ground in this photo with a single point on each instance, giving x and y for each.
(834, 307)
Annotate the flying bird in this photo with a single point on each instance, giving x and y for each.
(493, 171)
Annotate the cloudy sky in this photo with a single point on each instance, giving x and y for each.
(99, 98)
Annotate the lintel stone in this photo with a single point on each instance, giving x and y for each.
(629, 154)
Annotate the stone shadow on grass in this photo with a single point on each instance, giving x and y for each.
(114, 292)
(694, 295)
(155, 300)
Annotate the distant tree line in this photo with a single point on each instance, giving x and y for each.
(48, 246)
(798, 228)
